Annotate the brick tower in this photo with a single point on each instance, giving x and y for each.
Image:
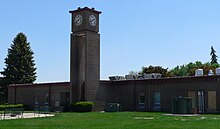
(85, 54)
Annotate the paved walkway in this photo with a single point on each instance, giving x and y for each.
(182, 114)
(25, 115)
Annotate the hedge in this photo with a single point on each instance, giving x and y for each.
(82, 106)
(4, 106)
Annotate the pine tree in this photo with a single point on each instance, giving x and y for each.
(20, 66)
(3, 91)
(214, 57)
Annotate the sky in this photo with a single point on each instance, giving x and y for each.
(134, 33)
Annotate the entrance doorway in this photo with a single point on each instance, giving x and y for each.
(65, 100)
(157, 101)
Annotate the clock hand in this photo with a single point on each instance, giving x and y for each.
(78, 20)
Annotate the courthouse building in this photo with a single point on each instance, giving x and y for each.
(146, 94)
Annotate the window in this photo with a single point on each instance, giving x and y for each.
(201, 102)
(141, 100)
(46, 99)
(156, 100)
(36, 101)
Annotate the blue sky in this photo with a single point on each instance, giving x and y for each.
(133, 33)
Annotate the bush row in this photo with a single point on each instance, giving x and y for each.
(4, 106)
(82, 106)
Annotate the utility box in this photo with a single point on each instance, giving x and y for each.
(112, 107)
(182, 105)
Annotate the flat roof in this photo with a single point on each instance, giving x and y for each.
(159, 80)
(40, 84)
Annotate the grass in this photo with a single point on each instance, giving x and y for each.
(119, 120)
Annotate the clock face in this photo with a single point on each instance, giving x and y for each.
(78, 20)
(92, 20)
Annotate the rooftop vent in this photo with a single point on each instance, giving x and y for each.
(152, 76)
(131, 77)
(210, 73)
(116, 78)
(121, 78)
(199, 72)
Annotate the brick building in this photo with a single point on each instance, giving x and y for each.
(133, 95)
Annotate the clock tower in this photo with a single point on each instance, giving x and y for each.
(84, 54)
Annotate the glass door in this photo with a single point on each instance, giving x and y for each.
(201, 102)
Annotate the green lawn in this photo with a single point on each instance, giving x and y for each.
(120, 120)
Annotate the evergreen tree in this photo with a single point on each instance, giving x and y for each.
(20, 66)
(214, 57)
(3, 91)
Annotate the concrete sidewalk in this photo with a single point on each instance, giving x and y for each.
(25, 115)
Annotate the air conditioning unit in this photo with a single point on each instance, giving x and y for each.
(116, 78)
(113, 78)
(120, 78)
(199, 72)
(131, 77)
(217, 70)
(152, 76)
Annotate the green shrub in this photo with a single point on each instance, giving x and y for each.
(4, 106)
(82, 106)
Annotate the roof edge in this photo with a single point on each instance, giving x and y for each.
(86, 9)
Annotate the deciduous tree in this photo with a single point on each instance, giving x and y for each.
(155, 69)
